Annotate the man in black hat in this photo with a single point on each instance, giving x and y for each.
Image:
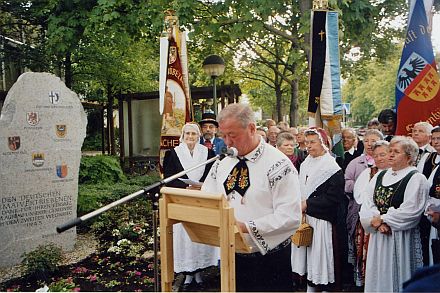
(209, 127)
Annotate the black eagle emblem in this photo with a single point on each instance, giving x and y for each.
(411, 71)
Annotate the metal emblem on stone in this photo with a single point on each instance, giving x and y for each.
(32, 118)
(38, 159)
(39, 164)
(61, 130)
(14, 143)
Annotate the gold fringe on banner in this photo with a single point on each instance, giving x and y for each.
(320, 5)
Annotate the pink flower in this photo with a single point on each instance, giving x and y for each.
(69, 280)
(92, 278)
(137, 273)
(76, 289)
(150, 266)
(79, 270)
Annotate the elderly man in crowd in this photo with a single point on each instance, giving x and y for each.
(262, 186)
(351, 147)
(209, 129)
(421, 133)
(272, 134)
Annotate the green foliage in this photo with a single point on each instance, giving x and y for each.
(107, 46)
(42, 260)
(92, 142)
(100, 169)
(92, 196)
(373, 89)
(62, 285)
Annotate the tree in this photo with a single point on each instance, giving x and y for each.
(247, 25)
(372, 90)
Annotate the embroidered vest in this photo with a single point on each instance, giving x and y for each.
(429, 164)
(390, 196)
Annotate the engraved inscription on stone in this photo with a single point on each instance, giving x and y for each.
(42, 128)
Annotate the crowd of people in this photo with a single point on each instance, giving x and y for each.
(374, 210)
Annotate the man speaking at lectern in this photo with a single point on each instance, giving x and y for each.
(262, 186)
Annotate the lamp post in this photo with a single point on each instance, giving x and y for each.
(214, 66)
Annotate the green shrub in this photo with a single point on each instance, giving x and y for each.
(92, 142)
(100, 169)
(42, 260)
(94, 196)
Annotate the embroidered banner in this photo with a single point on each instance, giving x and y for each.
(174, 93)
(325, 86)
(325, 103)
(417, 84)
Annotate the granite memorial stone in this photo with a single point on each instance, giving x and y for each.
(42, 128)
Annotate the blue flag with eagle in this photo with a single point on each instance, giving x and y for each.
(417, 84)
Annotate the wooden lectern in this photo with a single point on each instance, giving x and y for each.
(208, 219)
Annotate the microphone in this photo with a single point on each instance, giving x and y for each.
(230, 152)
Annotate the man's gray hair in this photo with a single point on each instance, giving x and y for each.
(428, 127)
(241, 112)
(351, 130)
(374, 132)
(409, 146)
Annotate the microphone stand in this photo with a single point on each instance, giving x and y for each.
(154, 197)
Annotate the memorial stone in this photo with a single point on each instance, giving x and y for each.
(42, 128)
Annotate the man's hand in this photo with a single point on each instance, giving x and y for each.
(242, 227)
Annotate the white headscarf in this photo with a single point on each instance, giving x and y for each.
(315, 171)
(200, 154)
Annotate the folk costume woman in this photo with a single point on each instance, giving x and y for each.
(322, 186)
(396, 199)
(189, 257)
(355, 231)
(361, 238)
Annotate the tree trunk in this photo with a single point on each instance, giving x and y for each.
(304, 7)
(294, 115)
(68, 70)
(278, 95)
(110, 122)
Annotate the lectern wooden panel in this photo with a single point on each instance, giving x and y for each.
(208, 219)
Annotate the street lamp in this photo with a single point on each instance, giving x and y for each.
(214, 66)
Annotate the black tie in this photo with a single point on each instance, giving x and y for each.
(419, 156)
(238, 179)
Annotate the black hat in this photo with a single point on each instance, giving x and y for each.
(208, 118)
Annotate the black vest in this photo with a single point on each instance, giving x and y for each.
(390, 196)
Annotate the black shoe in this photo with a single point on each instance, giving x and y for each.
(187, 287)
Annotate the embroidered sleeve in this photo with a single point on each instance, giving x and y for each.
(257, 236)
(278, 171)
